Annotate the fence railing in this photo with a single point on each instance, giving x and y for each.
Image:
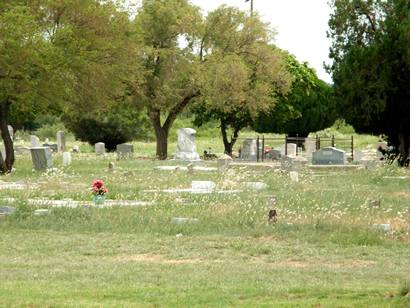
(262, 142)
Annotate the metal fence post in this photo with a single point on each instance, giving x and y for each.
(333, 141)
(286, 145)
(352, 146)
(257, 149)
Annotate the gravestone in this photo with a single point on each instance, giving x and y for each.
(294, 176)
(41, 157)
(202, 186)
(273, 154)
(100, 148)
(310, 147)
(34, 141)
(329, 156)
(11, 131)
(76, 148)
(7, 210)
(66, 158)
(125, 150)
(291, 149)
(52, 146)
(249, 150)
(255, 186)
(61, 141)
(21, 150)
(186, 147)
(223, 162)
(293, 163)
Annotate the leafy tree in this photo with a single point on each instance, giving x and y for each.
(239, 71)
(169, 69)
(65, 53)
(371, 66)
(25, 56)
(309, 105)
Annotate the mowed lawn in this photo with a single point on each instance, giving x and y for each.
(324, 249)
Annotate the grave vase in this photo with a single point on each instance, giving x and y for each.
(99, 200)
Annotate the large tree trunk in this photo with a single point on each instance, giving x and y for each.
(162, 131)
(404, 147)
(228, 144)
(6, 163)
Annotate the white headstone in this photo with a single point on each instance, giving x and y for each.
(255, 185)
(61, 141)
(99, 148)
(291, 149)
(223, 162)
(42, 158)
(186, 147)
(66, 158)
(294, 176)
(35, 141)
(76, 148)
(310, 147)
(202, 186)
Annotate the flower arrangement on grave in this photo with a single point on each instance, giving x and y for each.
(99, 190)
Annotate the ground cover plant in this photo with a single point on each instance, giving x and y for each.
(323, 250)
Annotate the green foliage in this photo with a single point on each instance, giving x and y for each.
(240, 68)
(371, 68)
(118, 124)
(309, 106)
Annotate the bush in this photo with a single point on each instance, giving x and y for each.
(117, 125)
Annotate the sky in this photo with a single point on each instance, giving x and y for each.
(300, 25)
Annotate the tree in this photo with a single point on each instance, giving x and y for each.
(72, 54)
(24, 58)
(371, 67)
(242, 73)
(168, 30)
(309, 106)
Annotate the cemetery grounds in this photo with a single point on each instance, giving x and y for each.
(324, 249)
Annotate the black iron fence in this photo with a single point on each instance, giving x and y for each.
(265, 144)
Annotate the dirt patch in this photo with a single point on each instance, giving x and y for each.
(149, 258)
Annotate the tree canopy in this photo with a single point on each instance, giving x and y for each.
(242, 72)
(371, 66)
(309, 105)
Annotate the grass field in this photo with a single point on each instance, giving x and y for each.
(323, 251)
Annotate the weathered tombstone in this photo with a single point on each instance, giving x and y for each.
(202, 186)
(66, 158)
(7, 210)
(21, 150)
(287, 162)
(273, 154)
(125, 150)
(255, 186)
(99, 148)
(249, 150)
(111, 166)
(294, 176)
(52, 146)
(310, 147)
(291, 149)
(41, 157)
(61, 141)
(186, 147)
(34, 141)
(76, 148)
(11, 131)
(329, 156)
(223, 162)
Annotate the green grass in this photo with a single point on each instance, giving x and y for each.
(323, 250)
